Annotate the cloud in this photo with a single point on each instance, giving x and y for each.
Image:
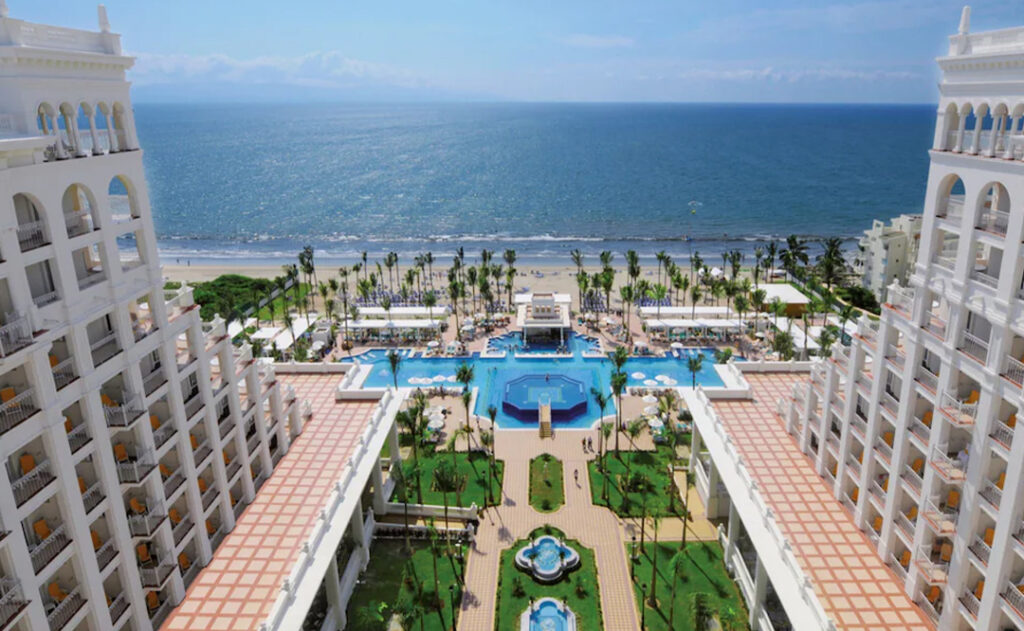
(322, 69)
(793, 75)
(582, 40)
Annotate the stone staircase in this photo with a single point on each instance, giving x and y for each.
(544, 414)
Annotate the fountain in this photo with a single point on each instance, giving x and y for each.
(547, 614)
(547, 558)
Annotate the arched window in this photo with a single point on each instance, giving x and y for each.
(993, 209)
(79, 210)
(950, 203)
(31, 227)
(951, 124)
(123, 199)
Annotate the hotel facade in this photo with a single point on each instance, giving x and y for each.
(131, 433)
(914, 424)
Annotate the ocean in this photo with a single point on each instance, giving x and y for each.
(255, 183)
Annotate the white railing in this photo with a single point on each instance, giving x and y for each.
(1013, 369)
(1012, 594)
(981, 550)
(859, 425)
(193, 405)
(902, 298)
(947, 262)
(12, 601)
(92, 497)
(15, 335)
(209, 497)
(64, 373)
(920, 430)
(942, 520)
(106, 554)
(117, 608)
(78, 437)
(163, 433)
(876, 490)
(201, 452)
(936, 326)
(31, 483)
(1002, 433)
(135, 471)
(883, 449)
(155, 576)
(48, 298)
(253, 441)
(110, 338)
(894, 354)
(77, 223)
(172, 482)
(16, 409)
(985, 278)
(954, 207)
(927, 378)
(146, 525)
(960, 412)
(65, 610)
(31, 235)
(904, 523)
(853, 465)
(233, 468)
(992, 493)
(934, 571)
(181, 529)
(153, 380)
(970, 602)
(995, 221)
(894, 563)
(947, 468)
(92, 277)
(124, 413)
(912, 478)
(47, 549)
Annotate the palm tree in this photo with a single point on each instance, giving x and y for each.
(402, 486)
(656, 516)
(633, 430)
(435, 551)
(601, 399)
(583, 283)
(467, 397)
(394, 361)
(676, 567)
(430, 301)
(626, 295)
(472, 278)
(700, 610)
(847, 312)
(618, 386)
(454, 290)
(372, 615)
(657, 294)
(769, 258)
(428, 258)
(685, 517)
(830, 262)
(446, 480)
(695, 295)
(577, 260)
(487, 440)
(694, 363)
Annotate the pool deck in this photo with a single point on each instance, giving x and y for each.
(853, 584)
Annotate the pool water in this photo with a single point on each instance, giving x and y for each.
(492, 374)
(512, 342)
(548, 617)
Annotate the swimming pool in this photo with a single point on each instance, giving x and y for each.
(491, 374)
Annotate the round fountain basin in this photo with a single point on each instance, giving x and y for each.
(547, 614)
(547, 558)
(523, 396)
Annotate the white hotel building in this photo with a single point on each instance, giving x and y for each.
(131, 433)
(915, 425)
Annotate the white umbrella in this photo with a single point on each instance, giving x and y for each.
(650, 399)
(638, 375)
(436, 424)
(662, 378)
(677, 345)
(670, 382)
(450, 379)
(438, 378)
(650, 382)
(656, 424)
(433, 344)
(651, 409)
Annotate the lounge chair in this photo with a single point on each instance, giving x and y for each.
(979, 589)
(876, 525)
(194, 441)
(54, 361)
(855, 494)
(164, 471)
(905, 559)
(1001, 480)
(154, 421)
(926, 420)
(973, 397)
(183, 562)
(953, 499)
(81, 485)
(6, 394)
(946, 552)
(27, 462)
(142, 552)
(137, 507)
(888, 438)
(68, 426)
(918, 466)
(55, 592)
(41, 529)
(912, 513)
(209, 528)
(120, 452)
(107, 401)
(152, 601)
(933, 594)
(990, 534)
(174, 516)
(97, 543)
(201, 483)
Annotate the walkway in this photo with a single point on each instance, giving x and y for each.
(855, 587)
(239, 586)
(595, 527)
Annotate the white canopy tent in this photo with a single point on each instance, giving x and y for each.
(440, 311)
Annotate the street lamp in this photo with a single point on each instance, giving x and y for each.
(451, 595)
(643, 611)
(632, 560)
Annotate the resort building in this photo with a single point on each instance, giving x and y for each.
(132, 434)
(887, 252)
(913, 425)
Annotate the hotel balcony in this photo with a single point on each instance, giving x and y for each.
(12, 601)
(1002, 432)
(921, 427)
(64, 372)
(133, 465)
(153, 570)
(78, 223)
(15, 335)
(35, 476)
(123, 413)
(90, 277)
(1013, 371)
(901, 300)
(895, 355)
(853, 465)
(949, 469)
(934, 565)
(118, 606)
(927, 378)
(92, 497)
(153, 380)
(992, 492)
(49, 543)
(941, 517)
(971, 601)
(208, 492)
(163, 432)
(193, 404)
(985, 278)
(907, 522)
(981, 549)
(994, 222)
(32, 235)
(172, 479)
(859, 424)
(935, 325)
(974, 347)
(64, 609)
(959, 413)
(1013, 593)
(200, 450)
(78, 437)
(105, 553)
(225, 425)
(181, 529)
(232, 466)
(145, 518)
(912, 478)
(104, 348)
(884, 449)
(16, 407)
(946, 261)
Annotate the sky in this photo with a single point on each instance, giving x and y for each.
(532, 50)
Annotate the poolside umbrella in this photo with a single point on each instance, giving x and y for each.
(651, 409)
(638, 375)
(650, 382)
(433, 344)
(670, 382)
(656, 425)
(650, 398)
(435, 424)
(677, 345)
(439, 378)
(662, 378)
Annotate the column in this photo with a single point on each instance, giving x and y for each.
(76, 137)
(760, 591)
(976, 141)
(377, 480)
(960, 133)
(1008, 135)
(59, 151)
(732, 531)
(95, 136)
(111, 136)
(394, 445)
(333, 588)
(993, 137)
(355, 526)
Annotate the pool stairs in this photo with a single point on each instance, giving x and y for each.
(544, 413)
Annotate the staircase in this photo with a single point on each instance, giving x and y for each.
(544, 414)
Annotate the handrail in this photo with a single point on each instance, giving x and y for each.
(65, 610)
(17, 409)
(47, 549)
(14, 335)
(31, 483)
(974, 346)
(1013, 369)
(960, 412)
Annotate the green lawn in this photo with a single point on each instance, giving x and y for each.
(579, 589)
(392, 577)
(703, 572)
(653, 464)
(546, 492)
(473, 466)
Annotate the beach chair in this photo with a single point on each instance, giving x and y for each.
(1012, 421)
(918, 466)
(137, 507)
(193, 441)
(1001, 480)
(68, 427)
(990, 534)
(876, 525)
(54, 361)
(952, 499)
(209, 528)
(41, 529)
(946, 552)
(201, 483)
(120, 452)
(154, 422)
(183, 562)
(979, 589)
(912, 513)
(55, 592)
(107, 401)
(888, 438)
(6, 394)
(855, 494)
(81, 485)
(926, 419)
(905, 559)
(97, 543)
(174, 516)
(973, 397)
(142, 552)
(933, 594)
(27, 463)
(152, 601)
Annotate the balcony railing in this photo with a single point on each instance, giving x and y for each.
(1002, 433)
(994, 221)
(154, 577)
(78, 437)
(117, 608)
(859, 425)
(106, 554)
(91, 278)
(135, 471)
(252, 442)
(927, 378)
(911, 477)
(104, 348)
(895, 355)
(209, 497)
(147, 525)
(1013, 370)
(49, 548)
(124, 413)
(226, 425)
(853, 465)
(92, 497)
(974, 347)
(31, 235)
(77, 223)
(46, 298)
(970, 602)
(948, 262)
(153, 380)
(950, 470)
(181, 529)
(193, 405)
(1011, 593)
(906, 525)
(65, 610)
(942, 520)
(992, 493)
(34, 481)
(894, 563)
(12, 601)
(876, 490)
(233, 468)
(936, 326)
(15, 335)
(173, 481)
(961, 413)
(163, 434)
(901, 299)
(985, 278)
(980, 550)
(201, 452)
(884, 450)
(64, 373)
(933, 570)
(17, 409)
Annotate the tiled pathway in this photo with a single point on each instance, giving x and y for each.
(595, 527)
(854, 586)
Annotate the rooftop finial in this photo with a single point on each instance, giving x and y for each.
(104, 22)
(3, 8)
(965, 20)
